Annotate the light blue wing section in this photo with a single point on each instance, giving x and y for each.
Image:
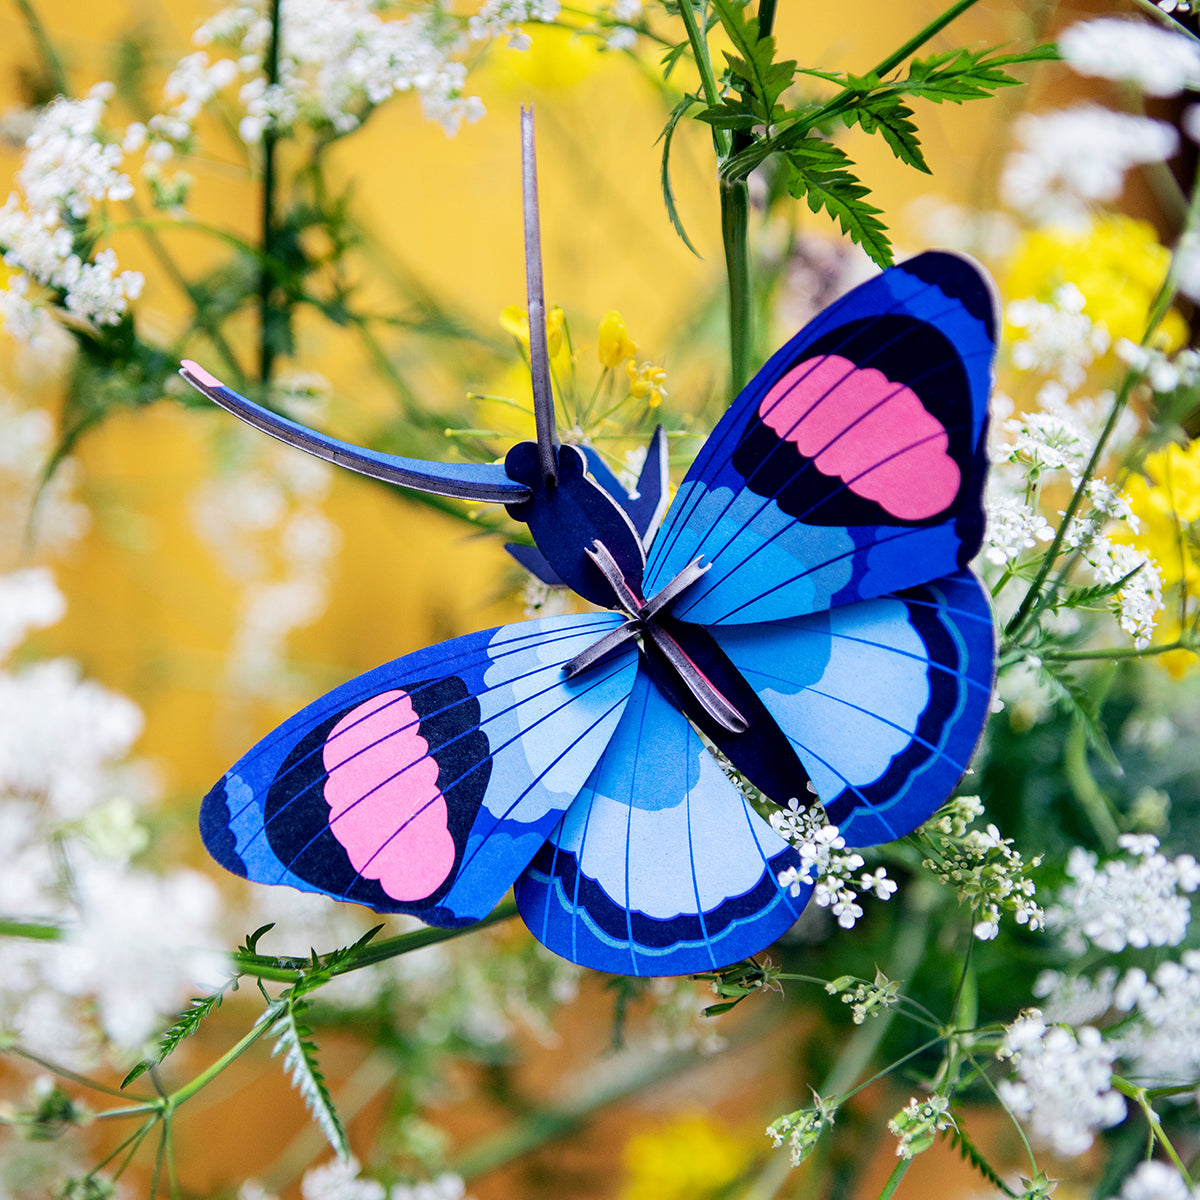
(883, 700)
(660, 866)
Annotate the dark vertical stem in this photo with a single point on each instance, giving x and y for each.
(766, 17)
(735, 213)
(49, 56)
(266, 284)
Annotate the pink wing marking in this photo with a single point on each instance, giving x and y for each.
(870, 432)
(385, 807)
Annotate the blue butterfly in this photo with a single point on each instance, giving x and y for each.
(804, 609)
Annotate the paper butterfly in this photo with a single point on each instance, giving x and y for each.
(804, 608)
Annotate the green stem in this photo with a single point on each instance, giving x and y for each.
(735, 212)
(33, 930)
(1139, 1097)
(893, 1182)
(73, 1076)
(189, 1089)
(1087, 791)
(266, 282)
(262, 966)
(708, 81)
(915, 42)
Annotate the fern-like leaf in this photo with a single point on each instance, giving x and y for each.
(295, 1042)
(889, 116)
(1081, 704)
(178, 1031)
(822, 177)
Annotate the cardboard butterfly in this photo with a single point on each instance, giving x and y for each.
(804, 608)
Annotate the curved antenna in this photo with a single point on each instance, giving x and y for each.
(484, 482)
(539, 358)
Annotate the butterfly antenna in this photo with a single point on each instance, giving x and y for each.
(539, 358)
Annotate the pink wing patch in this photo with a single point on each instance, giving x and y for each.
(384, 803)
(873, 434)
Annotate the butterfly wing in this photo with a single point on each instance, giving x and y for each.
(426, 785)
(659, 867)
(853, 464)
(883, 700)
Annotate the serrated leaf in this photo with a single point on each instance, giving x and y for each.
(677, 113)
(821, 176)
(1083, 597)
(753, 69)
(892, 119)
(179, 1030)
(972, 1154)
(294, 1042)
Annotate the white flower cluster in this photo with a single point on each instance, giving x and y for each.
(337, 59)
(128, 954)
(1059, 339)
(1076, 157)
(67, 170)
(865, 999)
(1155, 1180)
(1062, 1084)
(624, 13)
(1162, 1045)
(826, 866)
(1013, 526)
(1157, 61)
(342, 1179)
(1139, 900)
(985, 870)
(1139, 599)
(501, 18)
(1161, 371)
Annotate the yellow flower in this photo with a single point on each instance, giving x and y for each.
(646, 382)
(515, 320)
(615, 345)
(689, 1158)
(1117, 263)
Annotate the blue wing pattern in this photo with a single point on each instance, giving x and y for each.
(426, 785)
(853, 464)
(882, 700)
(660, 867)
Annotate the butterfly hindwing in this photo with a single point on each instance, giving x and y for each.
(853, 464)
(426, 785)
(883, 700)
(660, 866)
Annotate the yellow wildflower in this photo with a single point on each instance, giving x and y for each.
(615, 345)
(1165, 500)
(1116, 262)
(646, 382)
(515, 320)
(689, 1158)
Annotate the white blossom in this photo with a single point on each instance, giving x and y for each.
(1075, 999)
(1155, 1180)
(1162, 1045)
(1013, 527)
(1136, 901)
(1072, 158)
(1057, 338)
(827, 867)
(29, 599)
(447, 1186)
(1158, 61)
(340, 1180)
(1062, 1082)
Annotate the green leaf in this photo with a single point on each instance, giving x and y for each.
(677, 113)
(753, 71)
(822, 177)
(299, 1051)
(956, 76)
(889, 116)
(179, 1030)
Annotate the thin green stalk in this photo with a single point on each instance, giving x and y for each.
(74, 1076)
(189, 1089)
(918, 39)
(1139, 1097)
(34, 930)
(898, 1173)
(708, 80)
(735, 211)
(266, 284)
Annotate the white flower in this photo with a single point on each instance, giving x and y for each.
(1062, 1084)
(1158, 61)
(1154, 1180)
(28, 600)
(1012, 527)
(1057, 338)
(1162, 1043)
(445, 1187)
(1075, 157)
(1124, 903)
(340, 1180)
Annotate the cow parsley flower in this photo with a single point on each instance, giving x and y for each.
(917, 1124)
(1157, 61)
(801, 1130)
(1059, 338)
(1155, 1180)
(340, 1179)
(1162, 1043)
(1013, 526)
(1062, 1082)
(1139, 900)
(1070, 159)
(828, 868)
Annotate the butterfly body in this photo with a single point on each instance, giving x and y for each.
(804, 608)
